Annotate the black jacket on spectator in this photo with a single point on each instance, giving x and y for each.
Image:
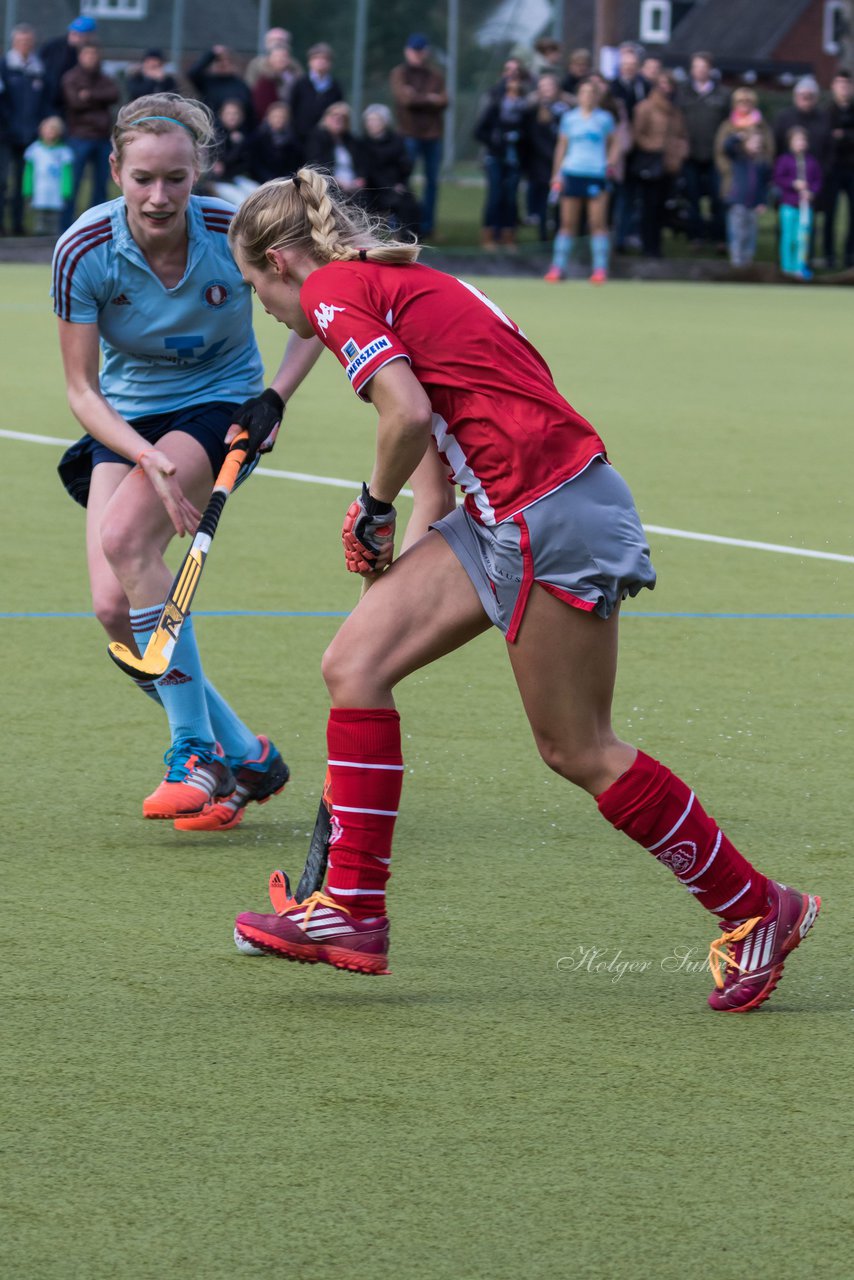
(320, 150)
(704, 114)
(499, 128)
(387, 170)
(816, 123)
(629, 92)
(540, 141)
(308, 105)
(840, 151)
(216, 89)
(273, 155)
(139, 86)
(28, 98)
(233, 152)
(58, 57)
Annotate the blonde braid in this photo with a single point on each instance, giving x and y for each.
(314, 191)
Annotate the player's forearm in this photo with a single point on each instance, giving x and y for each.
(100, 419)
(401, 444)
(301, 355)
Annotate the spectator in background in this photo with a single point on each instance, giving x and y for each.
(332, 146)
(232, 161)
(150, 76)
(651, 68)
(839, 174)
(579, 68)
(387, 169)
(660, 148)
(60, 55)
(314, 92)
(705, 106)
(275, 38)
(216, 76)
(628, 88)
(27, 101)
(89, 96)
(797, 177)
(540, 129)
(499, 128)
(805, 113)
(48, 176)
(547, 56)
(744, 151)
(420, 100)
(274, 150)
(276, 81)
(584, 154)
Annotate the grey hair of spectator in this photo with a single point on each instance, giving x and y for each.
(23, 29)
(377, 109)
(629, 46)
(807, 84)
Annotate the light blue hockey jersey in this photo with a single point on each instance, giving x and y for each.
(163, 349)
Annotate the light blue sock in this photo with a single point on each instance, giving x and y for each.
(238, 742)
(182, 688)
(562, 250)
(599, 250)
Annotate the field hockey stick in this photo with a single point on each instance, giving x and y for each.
(175, 611)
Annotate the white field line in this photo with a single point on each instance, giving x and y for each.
(305, 478)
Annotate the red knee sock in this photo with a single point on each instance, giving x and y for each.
(366, 775)
(655, 808)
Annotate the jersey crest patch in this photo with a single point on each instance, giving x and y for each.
(215, 293)
(324, 314)
(368, 353)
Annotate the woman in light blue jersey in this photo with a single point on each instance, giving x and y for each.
(585, 152)
(149, 279)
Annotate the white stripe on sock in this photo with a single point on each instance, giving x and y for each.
(652, 847)
(717, 910)
(345, 808)
(352, 893)
(357, 764)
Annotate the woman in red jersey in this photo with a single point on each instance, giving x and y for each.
(545, 546)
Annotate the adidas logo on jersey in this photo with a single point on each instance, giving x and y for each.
(122, 300)
(175, 676)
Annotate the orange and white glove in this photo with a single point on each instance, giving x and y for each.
(368, 534)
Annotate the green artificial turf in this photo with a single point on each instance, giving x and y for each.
(498, 1108)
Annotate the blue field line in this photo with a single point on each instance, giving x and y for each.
(343, 613)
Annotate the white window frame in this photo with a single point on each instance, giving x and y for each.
(125, 10)
(655, 21)
(828, 43)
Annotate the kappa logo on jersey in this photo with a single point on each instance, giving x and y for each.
(215, 293)
(679, 857)
(120, 300)
(324, 314)
(367, 354)
(350, 349)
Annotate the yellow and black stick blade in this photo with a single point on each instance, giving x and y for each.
(137, 668)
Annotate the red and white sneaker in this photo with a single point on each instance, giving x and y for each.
(317, 931)
(195, 776)
(747, 961)
(554, 275)
(257, 780)
(599, 276)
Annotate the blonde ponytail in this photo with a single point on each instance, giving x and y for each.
(307, 213)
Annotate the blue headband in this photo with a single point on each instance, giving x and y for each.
(171, 120)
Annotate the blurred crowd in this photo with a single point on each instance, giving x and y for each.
(564, 150)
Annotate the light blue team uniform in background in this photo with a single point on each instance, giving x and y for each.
(163, 349)
(586, 153)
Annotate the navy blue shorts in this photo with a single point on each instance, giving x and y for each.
(207, 423)
(577, 187)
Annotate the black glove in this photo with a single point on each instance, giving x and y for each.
(261, 417)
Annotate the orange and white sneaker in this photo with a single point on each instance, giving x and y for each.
(195, 776)
(255, 780)
(747, 960)
(599, 276)
(317, 931)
